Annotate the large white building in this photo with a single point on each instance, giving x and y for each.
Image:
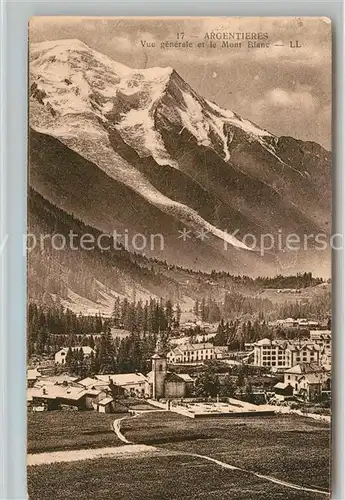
(196, 353)
(191, 353)
(280, 354)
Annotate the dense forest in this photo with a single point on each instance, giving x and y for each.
(50, 328)
(293, 281)
(236, 305)
(300, 280)
(54, 269)
(238, 332)
(113, 355)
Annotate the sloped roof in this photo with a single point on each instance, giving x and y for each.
(264, 341)
(186, 347)
(303, 345)
(220, 348)
(281, 385)
(56, 391)
(311, 378)
(203, 345)
(95, 392)
(174, 377)
(185, 377)
(196, 347)
(91, 382)
(158, 356)
(304, 368)
(175, 351)
(64, 378)
(105, 401)
(122, 379)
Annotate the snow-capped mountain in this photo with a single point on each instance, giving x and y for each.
(139, 149)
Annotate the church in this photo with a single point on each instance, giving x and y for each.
(162, 383)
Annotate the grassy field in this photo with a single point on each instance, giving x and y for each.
(289, 447)
(70, 430)
(155, 478)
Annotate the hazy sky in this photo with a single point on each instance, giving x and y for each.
(284, 90)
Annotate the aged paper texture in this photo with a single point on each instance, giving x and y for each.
(179, 258)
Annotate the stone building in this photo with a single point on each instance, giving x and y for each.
(162, 383)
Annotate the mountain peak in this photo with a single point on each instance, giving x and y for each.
(63, 43)
(63, 50)
(129, 121)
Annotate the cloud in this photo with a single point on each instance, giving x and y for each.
(297, 112)
(282, 98)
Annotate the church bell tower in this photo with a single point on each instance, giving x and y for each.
(159, 372)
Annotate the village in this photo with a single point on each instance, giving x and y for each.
(190, 366)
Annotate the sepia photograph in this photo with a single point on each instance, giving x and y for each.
(179, 242)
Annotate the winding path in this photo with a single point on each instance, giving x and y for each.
(117, 429)
(261, 476)
(129, 449)
(53, 457)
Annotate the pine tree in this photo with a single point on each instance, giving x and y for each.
(177, 315)
(169, 314)
(196, 308)
(116, 315)
(107, 353)
(227, 387)
(203, 312)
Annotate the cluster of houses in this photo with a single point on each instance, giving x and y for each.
(205, 326)
(100, 393)
(295, 323)
(307, 365)
(65, 391)
(306, 381)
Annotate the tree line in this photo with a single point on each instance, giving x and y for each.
(51, 327)
(236, 305)
(112, 355)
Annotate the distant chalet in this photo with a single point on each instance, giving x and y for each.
(60, 356)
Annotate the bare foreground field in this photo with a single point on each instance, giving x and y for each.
(70, 430)
(288, 448)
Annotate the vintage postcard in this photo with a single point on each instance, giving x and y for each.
(179, 258)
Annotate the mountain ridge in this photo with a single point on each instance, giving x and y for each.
(178, 158)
